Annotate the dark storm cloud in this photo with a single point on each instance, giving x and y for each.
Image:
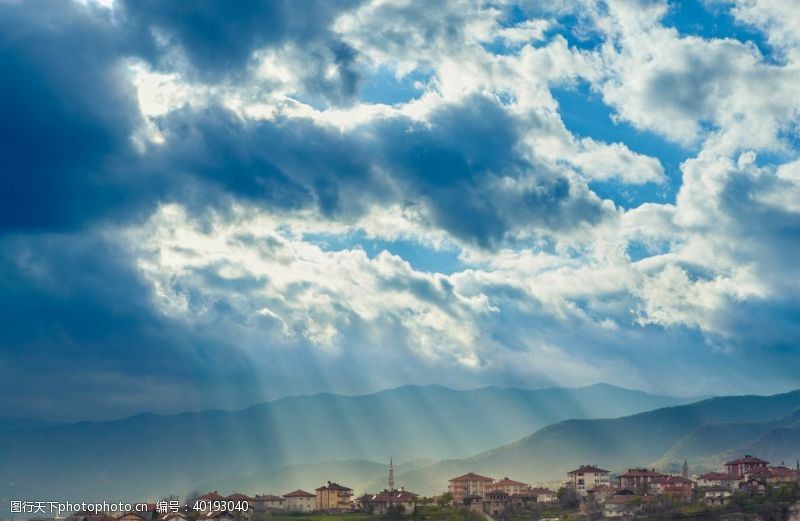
(218, 38)
(463, 166)
(467, 165)
(67, 112)
(70, 111)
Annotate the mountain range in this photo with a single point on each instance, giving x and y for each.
(148, 456)
(707, 433)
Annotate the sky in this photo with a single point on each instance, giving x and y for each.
(216, 203)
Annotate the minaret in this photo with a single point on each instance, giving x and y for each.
(685, 471)
(391, 474)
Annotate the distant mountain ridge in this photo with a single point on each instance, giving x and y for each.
(159, 455)
(637, 440)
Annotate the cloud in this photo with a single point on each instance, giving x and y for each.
(193, 194)
(220, 41)
(61, 139)
(692, 89)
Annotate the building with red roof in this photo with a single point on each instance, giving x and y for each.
(495, 502)
(742, 467)
(587, 477)
(299, 501)
(674, 486)
(639, 480)
(382, 502)
(715, 479)
(509, 486)
(469, 484)
(333, 497)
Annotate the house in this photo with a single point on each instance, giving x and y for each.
(495, 502)
(509, 486)
(742, 467)
(639, 480)
(620, 505)
(299, 501)
(176, 516)
(544, 495)
(473, 502)
(470, 484)
(674, 486)
(753, 486)
(133, 516)
(781, 474)
(586, 477)
(600, 493)
(720, 495)
(268, 503)
(382, 502)
(524, 498)
(334, 497)
(715, 479)
(205, 504)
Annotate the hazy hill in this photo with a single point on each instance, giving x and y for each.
(148, 456)
(779, 445)
(614, 444)
(24, 424)
(713, 438)
(360, 475)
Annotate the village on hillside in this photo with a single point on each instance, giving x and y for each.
(746, 484)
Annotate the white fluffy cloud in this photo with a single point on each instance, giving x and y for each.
(704, 256)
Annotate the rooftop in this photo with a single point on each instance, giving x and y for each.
(643, 473)
(587, 468)
(471, 476)
(748, 459)
(299, 493)
(716, 476)
(335, 486)
(506, 481)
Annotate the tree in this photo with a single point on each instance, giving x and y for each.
(445, 499)
(568, 497)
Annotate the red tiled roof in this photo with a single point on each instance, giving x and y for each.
(471, 476)
(672, 480)
(643, 473)
(587, 468)
(782, 471)
(211, 496)
(171, 515)
(174, 515)
(716, 476)
(497, 493)
(299, 493)
(386, 496)
(506, 481)
(748, 459)
(334, 486)
(238, 497)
